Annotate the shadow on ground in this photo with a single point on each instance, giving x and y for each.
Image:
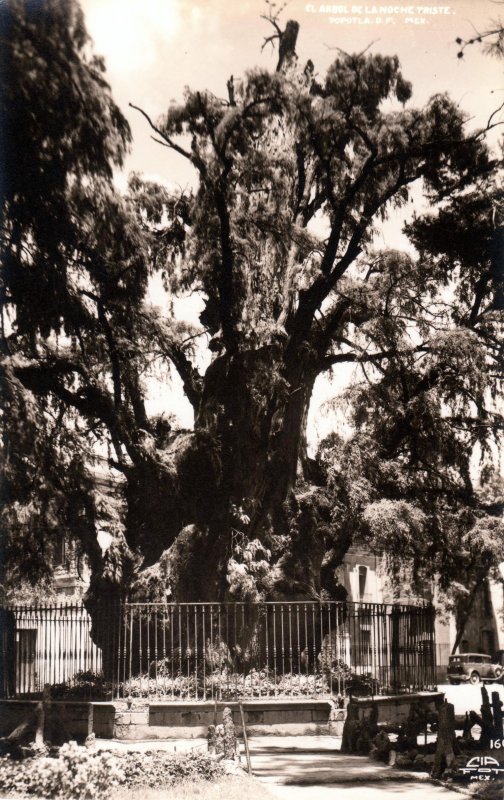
(313, 770)
(309, 768)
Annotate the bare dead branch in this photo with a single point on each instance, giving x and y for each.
(198, 163)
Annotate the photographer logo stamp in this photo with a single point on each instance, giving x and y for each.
(482, 768)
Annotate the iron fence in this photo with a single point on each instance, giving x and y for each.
(219, 651)
(53, 644)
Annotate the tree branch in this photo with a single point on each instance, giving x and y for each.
(225, 278)
(195, 160)
(92, 402)
(359, 358)
(114, 355)
(192, 380)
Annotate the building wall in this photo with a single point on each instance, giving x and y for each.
(71, 573)
(364, 577)
(359, 574)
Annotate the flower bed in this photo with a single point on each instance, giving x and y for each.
(76, 773)
(227, 686)
(224, 684)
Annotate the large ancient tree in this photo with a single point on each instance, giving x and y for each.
(293, 175)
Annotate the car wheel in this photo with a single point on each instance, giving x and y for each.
(475, 678)
(498, 673)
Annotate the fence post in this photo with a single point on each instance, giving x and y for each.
(245, 740)
(432, 633)
(43, 707)
(395, 656)
(90, 738)
(8, 649)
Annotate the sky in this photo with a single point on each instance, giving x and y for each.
(154, 48)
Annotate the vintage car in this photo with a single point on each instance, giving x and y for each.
(473, 667)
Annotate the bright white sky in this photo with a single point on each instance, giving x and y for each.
(153, 48)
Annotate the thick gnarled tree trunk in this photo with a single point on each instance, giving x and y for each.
(229, 479)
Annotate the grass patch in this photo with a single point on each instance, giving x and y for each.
(226, 788)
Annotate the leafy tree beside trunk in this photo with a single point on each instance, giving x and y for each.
(293, 175)
(403, 482)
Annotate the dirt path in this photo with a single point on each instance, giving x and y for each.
(314, 769)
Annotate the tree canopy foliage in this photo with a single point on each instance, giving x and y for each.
(294, 175)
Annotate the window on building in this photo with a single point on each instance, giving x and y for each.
(61, 551)
(362, 582)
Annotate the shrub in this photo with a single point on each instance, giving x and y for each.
(226, 685)
(83, 685)
(265, 682)
(155, 768)
(80, 774)
(74, 773)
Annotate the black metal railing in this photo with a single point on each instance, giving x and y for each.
(219, 651)
(56, 645)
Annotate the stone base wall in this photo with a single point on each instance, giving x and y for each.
(262, 718)
(71, 716)
(394, 710)
(104, 715)
(13, 713)
(181, 720)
